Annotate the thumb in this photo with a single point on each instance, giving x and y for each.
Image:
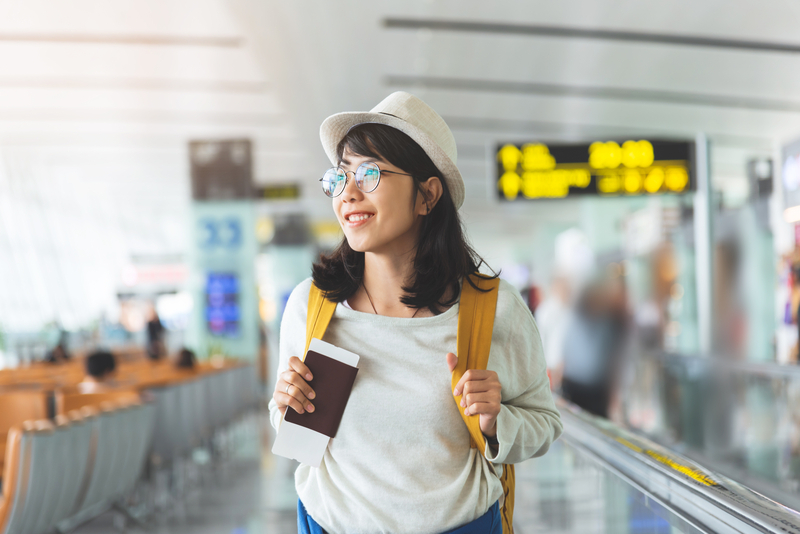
(452, 361)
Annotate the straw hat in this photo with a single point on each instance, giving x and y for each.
(411, 116)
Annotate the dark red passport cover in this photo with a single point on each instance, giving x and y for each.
(332, 383)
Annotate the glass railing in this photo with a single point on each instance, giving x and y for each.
(602, 478)
(739, 418)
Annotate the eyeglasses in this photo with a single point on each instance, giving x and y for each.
(367, 175)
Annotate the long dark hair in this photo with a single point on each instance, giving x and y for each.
(443, 256)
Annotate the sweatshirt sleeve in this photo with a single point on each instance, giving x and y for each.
(528, 421)
(292, 337)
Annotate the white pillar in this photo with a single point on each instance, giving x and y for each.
(703, 244)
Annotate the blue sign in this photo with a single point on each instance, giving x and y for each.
(222, 304)
(220, 233)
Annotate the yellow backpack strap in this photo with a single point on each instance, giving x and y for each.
(475, 325)
(508, 480)
(320, 311)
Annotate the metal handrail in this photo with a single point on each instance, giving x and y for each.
(708, 500)
(770, 369)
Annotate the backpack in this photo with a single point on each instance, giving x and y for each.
(475, 323)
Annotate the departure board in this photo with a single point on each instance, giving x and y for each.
(602, 168)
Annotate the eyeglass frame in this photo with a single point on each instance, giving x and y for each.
(347, 177)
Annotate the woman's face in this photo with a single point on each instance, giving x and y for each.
(387, 220)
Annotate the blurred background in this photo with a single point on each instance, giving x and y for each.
(633, 169)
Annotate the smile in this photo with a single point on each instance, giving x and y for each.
(358, 217)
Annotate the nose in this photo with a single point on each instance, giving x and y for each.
(351, 191)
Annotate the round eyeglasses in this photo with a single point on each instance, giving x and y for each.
(367, 175)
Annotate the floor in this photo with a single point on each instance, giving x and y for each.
(252, 491)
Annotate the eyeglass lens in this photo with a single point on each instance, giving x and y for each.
(367, 177)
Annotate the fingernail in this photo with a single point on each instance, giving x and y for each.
(310, 407)
(311, 395)
(308, 376)
(463, 404)
(466, 412)
(455, 392)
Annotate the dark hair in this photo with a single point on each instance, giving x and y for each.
(186, 359)
(100, 363)
(443, 255)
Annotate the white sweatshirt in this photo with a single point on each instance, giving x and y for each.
(401, 460)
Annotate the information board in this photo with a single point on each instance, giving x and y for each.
(603, 168)
(221, 170)
(222, 304)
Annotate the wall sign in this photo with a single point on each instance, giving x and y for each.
(216, 232)
(277, 192)
(604, 168)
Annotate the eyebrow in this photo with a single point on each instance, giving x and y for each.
(344, 161)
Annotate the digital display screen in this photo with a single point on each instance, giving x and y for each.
(222, 304)
(603, 168)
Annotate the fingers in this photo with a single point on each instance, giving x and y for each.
(481, 394)
(293, 390)
(297, 365)
(491, 409)
(472, 375)
(452, 361)
(492, 395)
(286, 400)
(296, 385)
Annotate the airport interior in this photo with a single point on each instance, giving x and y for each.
(630, 169)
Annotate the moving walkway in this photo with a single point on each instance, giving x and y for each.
(601, 478)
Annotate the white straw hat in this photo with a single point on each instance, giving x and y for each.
(411, 116)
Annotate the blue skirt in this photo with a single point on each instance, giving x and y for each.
(488, 523)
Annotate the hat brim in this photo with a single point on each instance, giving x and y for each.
(335, 127)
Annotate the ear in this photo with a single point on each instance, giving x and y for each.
(431, 193)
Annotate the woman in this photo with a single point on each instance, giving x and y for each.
(401, 460)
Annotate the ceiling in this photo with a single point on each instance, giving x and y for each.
(99, 98)
(510, 70)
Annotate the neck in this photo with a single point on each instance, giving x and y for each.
(384, 278)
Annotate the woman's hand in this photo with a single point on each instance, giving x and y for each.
(292, 388)
(481, 395)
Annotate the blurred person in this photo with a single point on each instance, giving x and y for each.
(552, 318)
(573, 263)
(59, 353)
(395, 281)
(652, 315)
(593, 347)
(792, 311)
(532, 296)
(155, 336)
(186, 359)
(101, 366)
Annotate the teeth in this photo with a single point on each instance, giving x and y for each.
(356, 218)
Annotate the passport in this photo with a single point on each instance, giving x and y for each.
(305, 437)
(332, 383)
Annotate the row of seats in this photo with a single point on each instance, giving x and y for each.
(65, 470)
(190, 412)
(73, 467)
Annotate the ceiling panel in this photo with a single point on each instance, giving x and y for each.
(120, 17)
